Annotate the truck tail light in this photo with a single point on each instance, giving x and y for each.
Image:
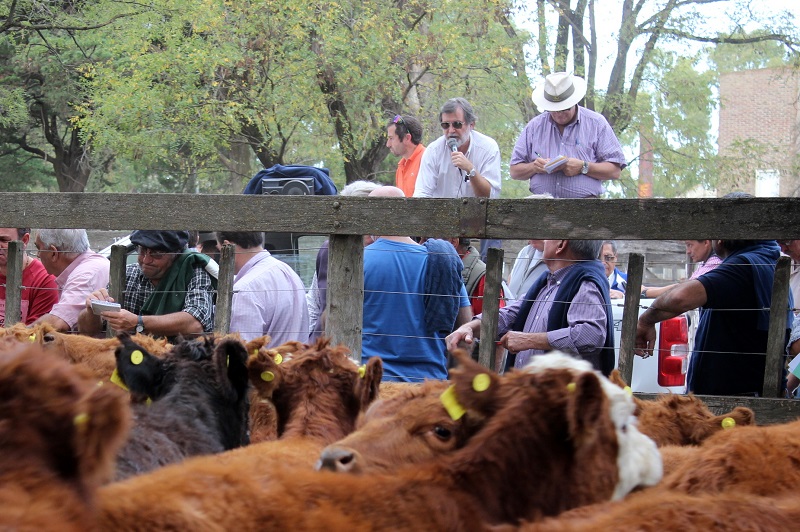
(673, 351)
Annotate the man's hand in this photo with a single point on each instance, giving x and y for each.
(462, 334)
(645, 339)
(616, 294)
(460, 161)
(516, 341)
(101, 294)
(572, 167)
(124, 320)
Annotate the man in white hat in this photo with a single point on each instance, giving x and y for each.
(580, 139)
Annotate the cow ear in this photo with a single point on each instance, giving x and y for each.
(140, 371)
(587, 404)
(100, 427)
(230, 357)
(474, 386)
(264, 372)
(369, 382)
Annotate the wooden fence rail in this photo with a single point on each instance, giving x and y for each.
(346, 219)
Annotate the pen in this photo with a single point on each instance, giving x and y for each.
(538, 155)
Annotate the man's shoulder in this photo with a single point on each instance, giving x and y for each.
(485, 140)
(591, 116)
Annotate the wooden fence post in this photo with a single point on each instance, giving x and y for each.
(116, 278)
(630, 315)
(15, 262)
(776, 337)
(344, 307)
(491, 307)
(222, 314)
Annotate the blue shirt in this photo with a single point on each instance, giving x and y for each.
(394, 328)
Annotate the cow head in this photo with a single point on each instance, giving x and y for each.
(319, 383)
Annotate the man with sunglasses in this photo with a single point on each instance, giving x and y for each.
(168, 292)
(404, 139)
(583, 138)
(462, 162)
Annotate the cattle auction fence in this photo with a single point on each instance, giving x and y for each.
(347, 219)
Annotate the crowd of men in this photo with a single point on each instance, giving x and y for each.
(423, 296)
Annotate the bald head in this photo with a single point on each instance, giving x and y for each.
(387, 192)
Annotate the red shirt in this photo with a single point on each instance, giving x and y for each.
(39, 293)
(476, 297)
(407, 170)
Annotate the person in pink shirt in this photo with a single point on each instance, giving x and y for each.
(39, 292)
(79, 271)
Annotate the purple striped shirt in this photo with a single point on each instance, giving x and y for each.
(589, 138)
(586, 334)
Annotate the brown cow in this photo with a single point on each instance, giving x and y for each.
(59, 435)
(673, 419)
(549, 444)
(679, 512)
(758, 460)
(414, 428)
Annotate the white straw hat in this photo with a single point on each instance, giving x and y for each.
(559, 91)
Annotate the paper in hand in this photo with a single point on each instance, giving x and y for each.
(555, 163)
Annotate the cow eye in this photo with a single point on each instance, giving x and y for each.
(443, 433)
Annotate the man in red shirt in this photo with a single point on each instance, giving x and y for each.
(40, 290)
(404, 138)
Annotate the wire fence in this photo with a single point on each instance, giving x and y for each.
(302, 335)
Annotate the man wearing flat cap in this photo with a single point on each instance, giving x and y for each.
(581, 139)
(167, 292)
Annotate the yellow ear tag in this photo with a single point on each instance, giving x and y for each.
(148, 402)
(728, 423)
(255, 352)
(137, 357)
(227, 361)
(80, 419)
(267, 376)
(451, 404)
(32, 338)
(362, 370)
(571, 387)
(278, 358)
(481, 382)
(628, 390)
(115, 378)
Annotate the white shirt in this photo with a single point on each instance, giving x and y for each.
(528, 266)
(269, 298)
(438, 178)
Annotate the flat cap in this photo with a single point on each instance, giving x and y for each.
(161, 240)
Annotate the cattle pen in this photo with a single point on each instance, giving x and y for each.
(347, 219)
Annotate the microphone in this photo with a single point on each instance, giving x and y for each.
(453, 145)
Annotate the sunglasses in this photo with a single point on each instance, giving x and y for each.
(457, 124)
(155, 255)
(398, 119)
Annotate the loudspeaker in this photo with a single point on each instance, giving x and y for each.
(292, 186)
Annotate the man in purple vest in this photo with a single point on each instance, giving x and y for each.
(568, 309)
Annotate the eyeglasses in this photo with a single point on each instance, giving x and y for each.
(609, 258)
(398, 119)
(155, 255)
(457, 124)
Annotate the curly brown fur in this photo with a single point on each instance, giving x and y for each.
(59, 434)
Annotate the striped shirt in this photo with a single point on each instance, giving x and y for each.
(586, 333)
(588, 138)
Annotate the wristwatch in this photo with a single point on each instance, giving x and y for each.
(472, 173)
(585, 168)
(140, 325)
